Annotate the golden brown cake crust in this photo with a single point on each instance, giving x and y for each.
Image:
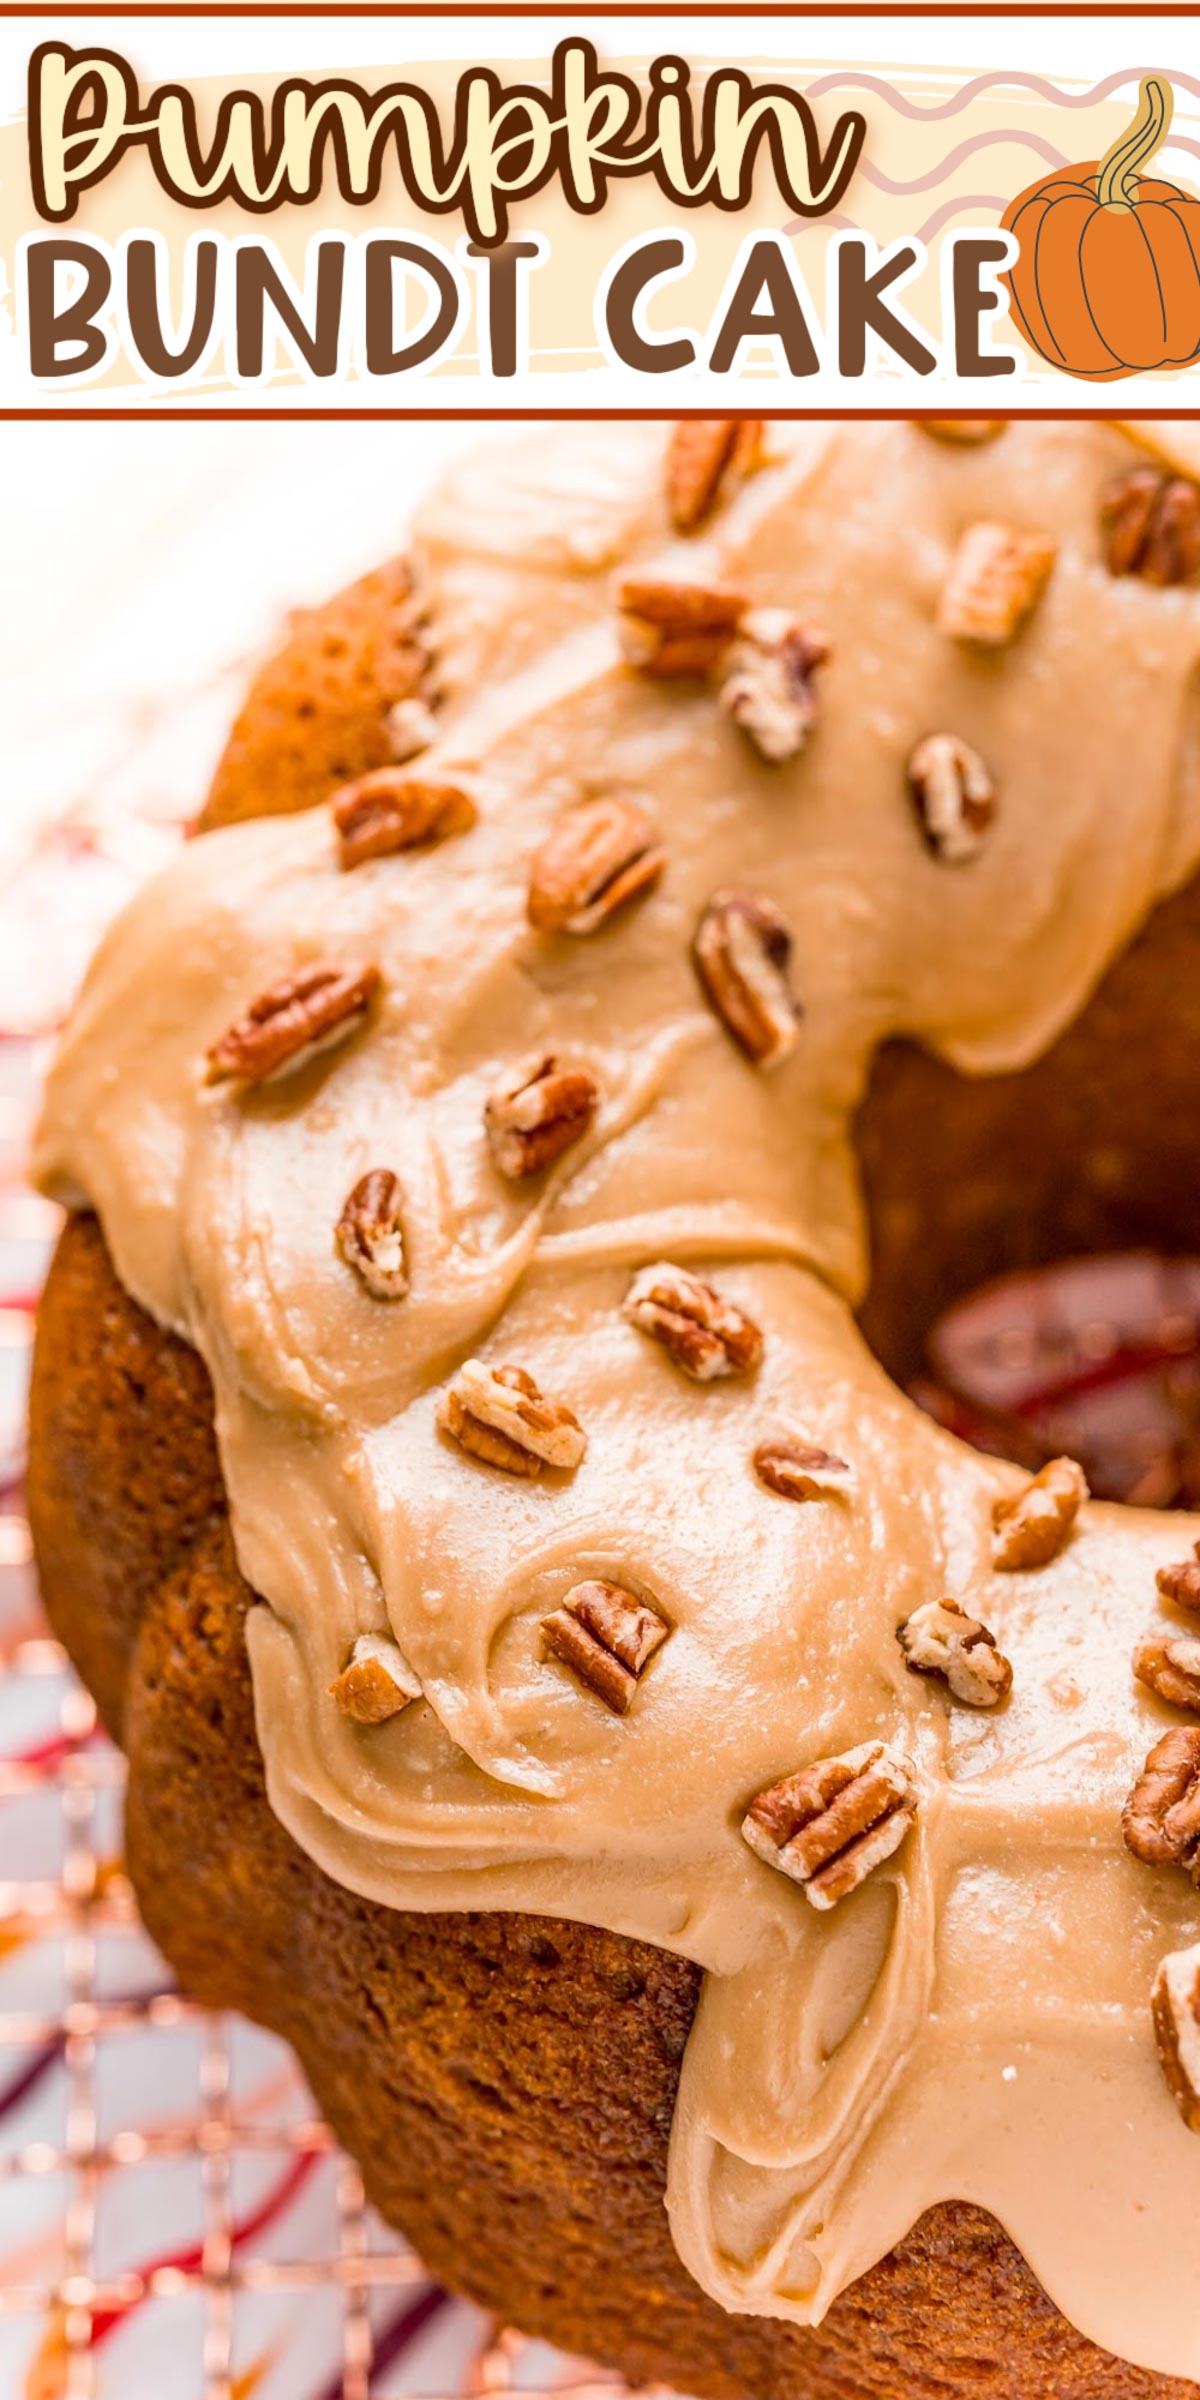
(506, 2082)
(316, 713)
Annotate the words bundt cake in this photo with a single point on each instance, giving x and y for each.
(725, 1852)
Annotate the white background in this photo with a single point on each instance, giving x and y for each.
(141, 565)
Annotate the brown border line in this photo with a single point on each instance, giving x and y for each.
(160, 414)
(151, 415)
(1084, 9)
(604, 8)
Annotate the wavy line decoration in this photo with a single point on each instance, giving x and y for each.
(1106, 282)
(1040, 86)
(1014, 140)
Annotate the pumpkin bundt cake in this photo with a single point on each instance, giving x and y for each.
(725, 1853)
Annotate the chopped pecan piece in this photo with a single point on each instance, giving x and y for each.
(292, 1022)
(607, 1636)
(1031, 1528)
(799, 1470)
(941, 1639)
(767, 686)
(1175, 2006)
(742, 950)
(1161, 1818)
(411, 728)
(1181, 1583)
(370, 1234)
(385, 811)
(676, 629)
(704, 1333)
(996, 577)
(967, 431)
(829, 1825)
(537, 1112)
(376, 1683)
(1151, 525)
(954, 796)
(499, 1415)
(598, 857)
(704, 452)
(1169, 1664)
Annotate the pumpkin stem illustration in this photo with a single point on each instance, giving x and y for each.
(1121, 166)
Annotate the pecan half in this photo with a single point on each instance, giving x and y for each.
(1161, 1818)
(376, 1682)
(598, 857)
(741, 951)
(954, 796)
(291, 1022)
(385, 811)
(1151, 526)
(1181, 1583)
(1031, 1528)
(767, 686)
(500, 1416)
(411, 728)
(370, 1235)
(537, 1112)
(829, 1825)
(1169, 1664)
(997, 575)
(704, 1333)
(1175, 2008)
(607, 1636)
(799, 1470)
(966, 431)
(941, 1639)
(676, 629)
(705, 452)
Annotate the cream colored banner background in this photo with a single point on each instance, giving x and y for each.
(961, 114)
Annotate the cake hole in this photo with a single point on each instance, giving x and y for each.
(1097, 1357)
(1035, 1237)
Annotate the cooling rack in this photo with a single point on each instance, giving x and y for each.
(176, 2223)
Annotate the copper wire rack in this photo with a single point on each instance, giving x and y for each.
(176, 2222)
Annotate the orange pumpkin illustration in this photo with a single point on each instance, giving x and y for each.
(1107, 279)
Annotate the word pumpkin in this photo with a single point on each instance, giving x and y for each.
(1106, 281)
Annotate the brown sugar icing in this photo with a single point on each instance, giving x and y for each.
(972, 2023)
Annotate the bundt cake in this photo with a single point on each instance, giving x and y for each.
(725, 1853)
